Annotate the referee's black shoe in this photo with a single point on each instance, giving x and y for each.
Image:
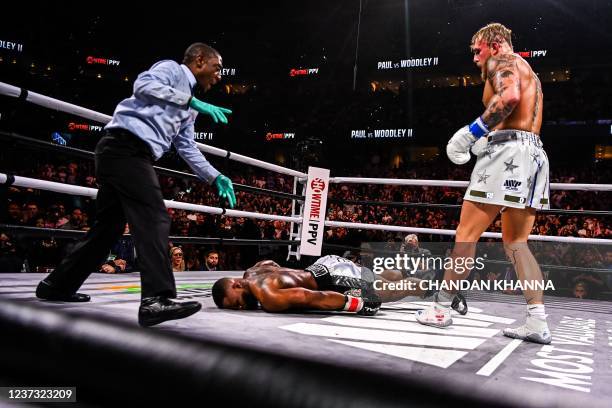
(158, 309)
(47, 291)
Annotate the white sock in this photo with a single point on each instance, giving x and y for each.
(536, 311)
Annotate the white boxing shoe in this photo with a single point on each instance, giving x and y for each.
(438, 314)
(534, 330)
(435, 315)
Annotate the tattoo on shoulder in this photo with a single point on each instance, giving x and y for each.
(536, 108)
(502, 72)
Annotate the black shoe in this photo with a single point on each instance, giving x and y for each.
(154, 310)
(47, 291)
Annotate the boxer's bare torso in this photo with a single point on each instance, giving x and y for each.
(512, 70)
(278, 289)
(270, 277)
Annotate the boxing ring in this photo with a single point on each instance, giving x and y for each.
(297, 359)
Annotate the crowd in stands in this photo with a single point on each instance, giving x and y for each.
(44, 209)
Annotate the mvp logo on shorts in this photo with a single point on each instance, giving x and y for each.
(512, 185)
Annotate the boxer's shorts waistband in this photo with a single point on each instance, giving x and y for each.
(506, 135)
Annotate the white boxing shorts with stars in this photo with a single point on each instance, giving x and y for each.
(512, 171)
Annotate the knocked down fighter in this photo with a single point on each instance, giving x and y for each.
(331, 283)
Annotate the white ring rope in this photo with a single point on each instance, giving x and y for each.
(56, 104)
(397, 228)
(92, 192)
(453, 183)
(249, 160)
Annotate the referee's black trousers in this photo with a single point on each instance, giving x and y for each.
(128, 191)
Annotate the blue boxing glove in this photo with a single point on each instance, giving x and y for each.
(458, 147)
(215, 112)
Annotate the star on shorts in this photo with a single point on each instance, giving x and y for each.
(529, 181)
(510, 166)
(482, 177)
(489, 151)
(535, 156)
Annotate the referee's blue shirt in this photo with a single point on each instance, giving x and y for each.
(158, 113)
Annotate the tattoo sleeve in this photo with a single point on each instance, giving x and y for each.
(503, 74)
(536, 109)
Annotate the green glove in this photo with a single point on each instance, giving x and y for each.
(226, 189)
(215, 112)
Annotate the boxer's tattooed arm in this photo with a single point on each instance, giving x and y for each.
(502, 72)
(537, 98)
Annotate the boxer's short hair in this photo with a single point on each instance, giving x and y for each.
(219, 290)
(493, 32)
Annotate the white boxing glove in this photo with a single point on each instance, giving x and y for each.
(458, 147)
(480, 146)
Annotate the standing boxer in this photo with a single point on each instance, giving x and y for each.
(510, 175)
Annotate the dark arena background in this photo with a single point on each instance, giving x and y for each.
(370, 91)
